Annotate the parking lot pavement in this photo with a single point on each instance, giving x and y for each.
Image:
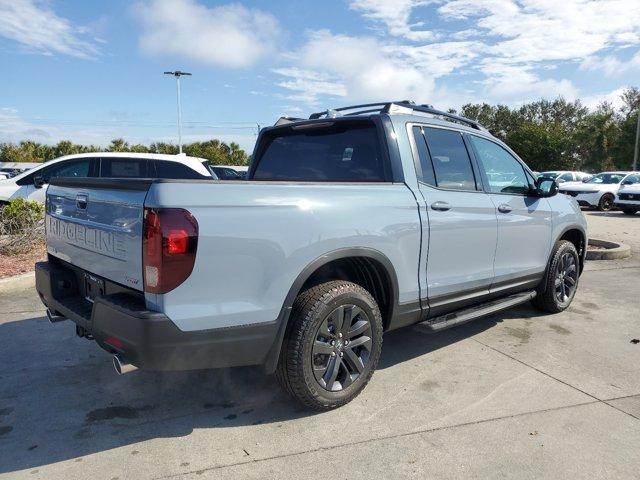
(515, 395)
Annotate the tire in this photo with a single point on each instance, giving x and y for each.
(317, 364)
(606, 202)
(560, 283)
(629, 211)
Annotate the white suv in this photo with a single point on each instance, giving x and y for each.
(628, 197)
(600, 190)
(32, 183)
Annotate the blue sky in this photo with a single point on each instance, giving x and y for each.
(92, 71)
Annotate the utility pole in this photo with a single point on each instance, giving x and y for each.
(178, 74)
(635, 152)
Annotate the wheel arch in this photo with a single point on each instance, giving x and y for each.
(366, 267)
(578, 237)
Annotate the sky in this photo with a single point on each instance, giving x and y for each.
(93, 71)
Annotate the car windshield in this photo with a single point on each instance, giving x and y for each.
(606, 178)
(550, 174)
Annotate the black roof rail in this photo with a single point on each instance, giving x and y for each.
(387, 107)
(382, 107)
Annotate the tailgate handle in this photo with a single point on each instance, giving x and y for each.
(81, 201)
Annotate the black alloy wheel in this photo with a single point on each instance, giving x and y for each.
(342, 348)
(566, 277)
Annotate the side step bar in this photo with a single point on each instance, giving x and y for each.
(466, 315)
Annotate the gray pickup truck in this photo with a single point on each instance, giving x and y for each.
(351, 223)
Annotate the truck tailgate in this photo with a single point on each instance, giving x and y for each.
(96, 225)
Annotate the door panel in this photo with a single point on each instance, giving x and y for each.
(524, 237)
(462, 221)
(524, 219)
(462, 244)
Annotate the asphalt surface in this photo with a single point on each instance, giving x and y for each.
(516, 395)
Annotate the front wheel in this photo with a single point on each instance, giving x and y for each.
(558, 287)
(606, 202)
(332, 345)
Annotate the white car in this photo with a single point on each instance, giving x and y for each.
(32, 183)
(628, 196)
(561, 176)
(600, 190)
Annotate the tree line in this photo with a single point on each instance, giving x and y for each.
(217, 152)
(547, 134)
(562, 135)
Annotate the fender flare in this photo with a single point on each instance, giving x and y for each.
(271, 360)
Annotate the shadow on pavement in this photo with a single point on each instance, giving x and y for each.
(62, 400)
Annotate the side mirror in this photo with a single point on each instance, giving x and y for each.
(546, 187)
(38, 181)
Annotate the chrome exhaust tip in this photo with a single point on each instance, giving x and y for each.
(121, 367)
(54, 318)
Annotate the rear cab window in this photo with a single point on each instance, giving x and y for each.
(341, 151)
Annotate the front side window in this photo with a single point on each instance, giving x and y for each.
(70, 168)
(451, 162)
(631, 179)
(565, 177)
(504, 173)
(343, 152)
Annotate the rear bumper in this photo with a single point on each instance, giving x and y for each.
(150, 339)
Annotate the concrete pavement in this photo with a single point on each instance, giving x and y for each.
(516, 395)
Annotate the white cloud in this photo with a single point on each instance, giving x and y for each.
(37, 28)
(226, 35)
(610, 65)
(395, 14)
(308, 85)
(549, 30)
(614, 98)
(359, 68)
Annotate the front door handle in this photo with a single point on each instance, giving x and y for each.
(440, 206)
(504, 208)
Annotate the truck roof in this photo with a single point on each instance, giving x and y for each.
(421, 112)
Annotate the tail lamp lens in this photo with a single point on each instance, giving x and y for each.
(169, 244)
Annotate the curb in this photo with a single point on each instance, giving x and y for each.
(614, 251)
(17, 282)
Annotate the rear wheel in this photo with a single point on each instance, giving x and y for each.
(629, 211)
(606, 202)
(332, 345)
(558, 287)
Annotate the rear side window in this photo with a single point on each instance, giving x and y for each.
(428, 175)
(451, 162)
(123, 168)
(167, 169)
(338, 153)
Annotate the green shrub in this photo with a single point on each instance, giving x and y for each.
(20, 214)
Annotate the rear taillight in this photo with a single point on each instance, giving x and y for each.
(169, 243)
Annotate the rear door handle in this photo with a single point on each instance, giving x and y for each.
(440, 206)
(504, 208)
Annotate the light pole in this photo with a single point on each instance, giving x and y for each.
(178, 74)
(635, 152)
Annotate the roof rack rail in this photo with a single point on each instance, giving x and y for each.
(396, 107)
